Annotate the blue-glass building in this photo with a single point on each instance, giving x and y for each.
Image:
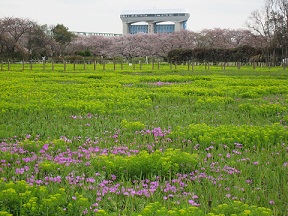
(155, 21)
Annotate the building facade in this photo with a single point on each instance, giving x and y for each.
(154, 21)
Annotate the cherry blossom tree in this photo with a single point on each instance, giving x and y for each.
(23, 39)
(12, 31)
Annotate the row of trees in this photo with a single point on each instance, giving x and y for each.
(239, 54)
(159, 45)
(265, 38)
(25, 39)
(21, 38)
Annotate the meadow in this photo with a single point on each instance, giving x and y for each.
(143, 141)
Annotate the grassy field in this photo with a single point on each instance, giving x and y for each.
(138, 141)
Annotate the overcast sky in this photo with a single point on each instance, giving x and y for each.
(104, 15)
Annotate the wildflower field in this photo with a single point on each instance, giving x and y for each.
(143, 142)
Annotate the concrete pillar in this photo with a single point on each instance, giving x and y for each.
(151, 27)
(178, 26)
(126, 28)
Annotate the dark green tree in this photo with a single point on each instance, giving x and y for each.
(62, 36)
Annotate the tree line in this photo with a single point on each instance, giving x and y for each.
(25, 39)
(264, 39)
(239, 54)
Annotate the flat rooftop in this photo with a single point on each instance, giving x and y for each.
(154, 11)
(155, 15)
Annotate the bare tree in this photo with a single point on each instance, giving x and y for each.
(283, 11)
(271, 24)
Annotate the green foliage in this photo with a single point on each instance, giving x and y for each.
(21, 199)
(236, 208)
(57, 126)
(134, 126)
(145, 165)
(85, 53)
(61, 34)
(260, 136)
(4, 213)
(239, 208)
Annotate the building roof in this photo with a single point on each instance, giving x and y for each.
(154, 11)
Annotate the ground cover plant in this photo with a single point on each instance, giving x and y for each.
(143, 142)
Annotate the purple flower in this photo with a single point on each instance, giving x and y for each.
(19, 171)
(95, 204)
(113, 177)
(271, 202)
(238, 145)
(192, 202)
(248, 181)
(157, 132)
(91, 180)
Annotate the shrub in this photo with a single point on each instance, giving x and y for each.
(144, 165)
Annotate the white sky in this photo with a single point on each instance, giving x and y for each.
(104, 15)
